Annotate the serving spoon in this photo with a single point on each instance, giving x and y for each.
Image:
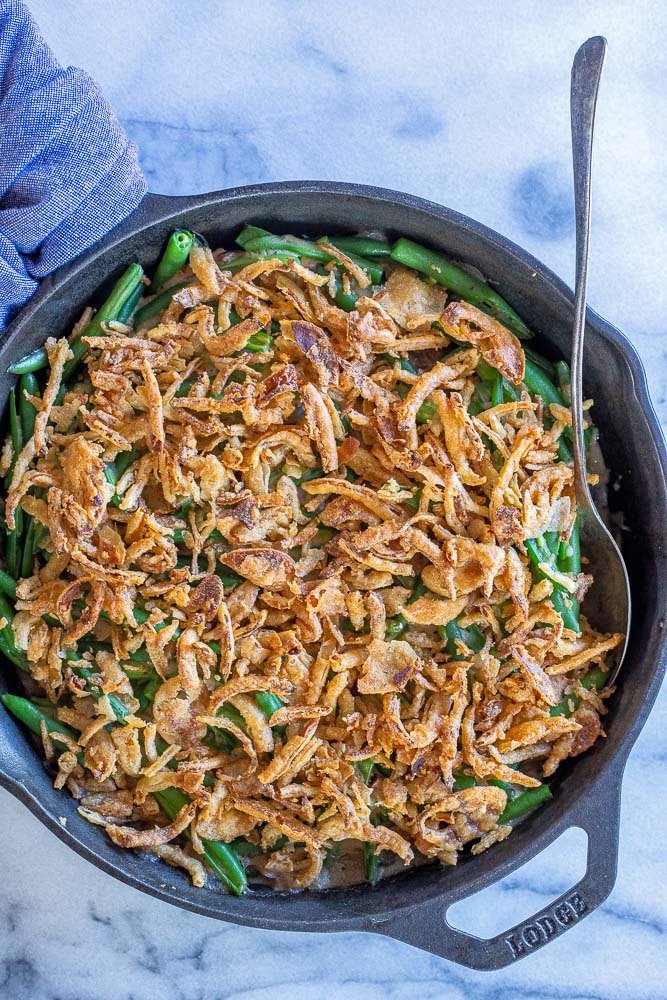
(610, 602)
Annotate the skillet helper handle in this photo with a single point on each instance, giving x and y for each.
(427, 926)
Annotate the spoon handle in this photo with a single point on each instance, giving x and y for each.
(586, 72)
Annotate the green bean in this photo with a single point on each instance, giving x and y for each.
(565, 385)
(138, 664)
(111, 473)
(323, 536)
(360, 246)
(28, 554)
(146, 696)
(174, 258)
(404, 363)
(184, 508)
(497, 394)
(518, 803)
(451, 633)
(245, 849)
(371, 862)
(395, 627)
(27, 410)
(540, 547)
(16, 434)
(543, 568)
(13, 553)
(249, 233)
(538, 384)
(254, 243)
(141, 616)
(220, 856)
(150, 310)
(427, 410)
(414, 500)
(347, 301)
(179, 536)
(420, 590)
(462, 781)
(7, 642)
(138, 671)
(569, 552)
(32, 362)
(46, 704)
(243, 260)
(220, 740)
(569, 559)
(486, 372)
(365, 769)
(7, 584)
(125, 312)
(286, 244)
(594, 679)
(510, 392)
(308, 475)
(501, 389)
(268, 702)
(117, 707)
(552, 541)
(544, 559)
(232, 714)
(125, 460)
(346, 626)
(108, 311)
(479, 401)
(505, 785)
(458, 281)
(564, 452)
(568, 608)
(564, 380)
(524, 803)
(114, 470)
(184, 388)
(258, 342)
(229, 577)
(32, 716)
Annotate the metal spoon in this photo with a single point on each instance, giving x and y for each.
(609, 604)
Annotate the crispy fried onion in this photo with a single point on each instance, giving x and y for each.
(281, 565)
(499, 347)
(127, 836)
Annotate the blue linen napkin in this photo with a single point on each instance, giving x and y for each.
(68, 172)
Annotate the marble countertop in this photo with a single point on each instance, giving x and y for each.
(465, 103)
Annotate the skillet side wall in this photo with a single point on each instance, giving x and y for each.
(631, 445)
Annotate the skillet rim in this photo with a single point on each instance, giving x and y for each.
(548, 823)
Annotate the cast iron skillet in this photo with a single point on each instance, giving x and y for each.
(411, 907)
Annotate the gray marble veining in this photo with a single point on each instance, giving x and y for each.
(465, 103)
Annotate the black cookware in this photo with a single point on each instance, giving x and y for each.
(411, 907)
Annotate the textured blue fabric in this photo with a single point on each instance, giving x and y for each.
(68, 173)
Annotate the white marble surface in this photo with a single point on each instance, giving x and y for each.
(465, 103)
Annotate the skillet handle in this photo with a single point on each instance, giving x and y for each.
(427, 926)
